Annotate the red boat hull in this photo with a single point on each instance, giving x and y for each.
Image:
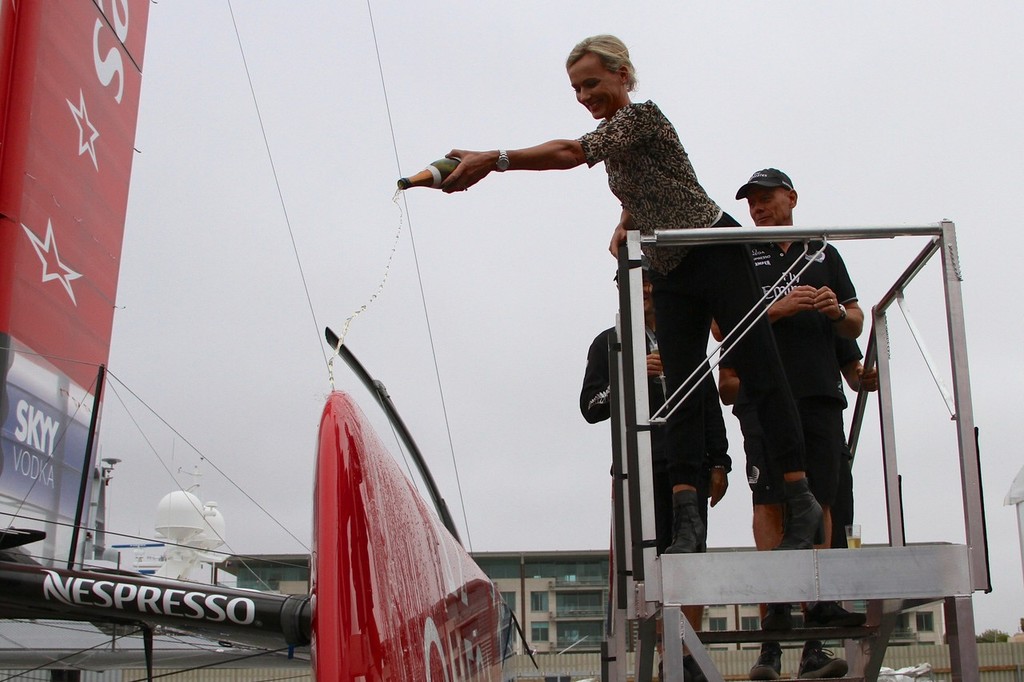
(395, 597)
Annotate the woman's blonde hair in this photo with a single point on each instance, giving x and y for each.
(613, 54)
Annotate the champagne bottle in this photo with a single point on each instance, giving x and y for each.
(431, 176)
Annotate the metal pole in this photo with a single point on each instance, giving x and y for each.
(638, 439)
(742, 235)
(87, 464)
(970, 468)
(887, 422)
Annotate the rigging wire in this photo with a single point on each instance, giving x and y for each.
(263, 652)
(73, 654)
(208, 526)
(277, 182)
(295, 251)
(112, 386)
(419, 280)
(108, 644)
(200, 453)
(166, 542)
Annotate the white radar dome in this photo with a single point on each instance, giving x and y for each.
(179, 516)
(212, 534)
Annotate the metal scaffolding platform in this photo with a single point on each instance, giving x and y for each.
(648, 588)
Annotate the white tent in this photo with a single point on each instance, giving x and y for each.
(1016, 496)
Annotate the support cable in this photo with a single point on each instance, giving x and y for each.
(298, 260)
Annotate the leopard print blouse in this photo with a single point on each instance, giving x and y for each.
(650, 173)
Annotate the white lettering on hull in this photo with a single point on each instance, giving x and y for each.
(161, 601)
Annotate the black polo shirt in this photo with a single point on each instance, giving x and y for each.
(807, 340)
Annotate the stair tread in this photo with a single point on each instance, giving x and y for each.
(796, 634)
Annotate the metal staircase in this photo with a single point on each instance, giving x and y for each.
(647, 588)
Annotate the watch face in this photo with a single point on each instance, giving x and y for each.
(502, 161)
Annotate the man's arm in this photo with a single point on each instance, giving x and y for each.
(849, 325)
(596, 391)
(858, 379)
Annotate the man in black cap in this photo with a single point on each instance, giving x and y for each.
(815, 302)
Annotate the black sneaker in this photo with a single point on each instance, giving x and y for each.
(817, 663)
(829, 614)
(778, 617)
(769, 663)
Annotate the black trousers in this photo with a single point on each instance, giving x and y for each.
(718, 281)
(842, 508)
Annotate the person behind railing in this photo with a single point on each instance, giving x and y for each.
(816, 303)
(714, 480)
(857, 378)
(651, 175)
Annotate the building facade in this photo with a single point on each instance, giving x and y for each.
(559, 598)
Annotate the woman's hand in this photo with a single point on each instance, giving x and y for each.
(473, 167)
(619, 235)
(618, 239)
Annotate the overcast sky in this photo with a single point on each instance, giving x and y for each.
(882, 113)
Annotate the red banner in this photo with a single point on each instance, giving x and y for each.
(69, 96)
(74, 71)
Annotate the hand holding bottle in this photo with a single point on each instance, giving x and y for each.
(473, 167)
(431, 176)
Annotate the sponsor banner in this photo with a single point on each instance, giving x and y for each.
(262, 619)
(71, 108)
(120, 595)
(45, 423)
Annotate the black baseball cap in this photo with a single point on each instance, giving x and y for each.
(768, 177)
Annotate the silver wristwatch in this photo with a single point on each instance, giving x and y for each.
(502, 163)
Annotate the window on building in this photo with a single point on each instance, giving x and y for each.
(718, 624)
(579, 603)
(496, 568)
(262, 575)
(510, 600)
(539, 633)
(538, 601)
(750, 623)
(584, 571)
(582, 636)
(925, 621)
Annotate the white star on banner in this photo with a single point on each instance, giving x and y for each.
(47, 251)
(87, 133)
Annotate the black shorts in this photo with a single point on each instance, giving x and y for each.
(821, 420)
